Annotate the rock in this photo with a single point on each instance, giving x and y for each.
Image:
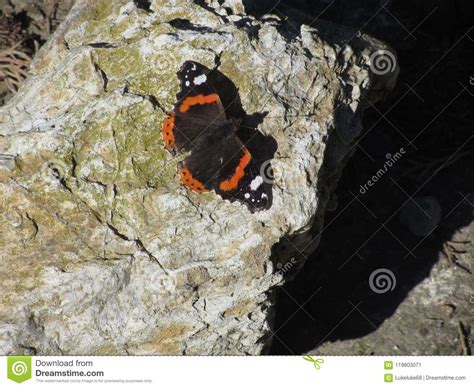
(103, 251)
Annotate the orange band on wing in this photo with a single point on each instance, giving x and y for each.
(232, 183)
(198, 100)
(167, 131)
(188, 180)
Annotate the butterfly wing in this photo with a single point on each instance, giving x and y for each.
(198, 109)
(218, 160)
(229, 169)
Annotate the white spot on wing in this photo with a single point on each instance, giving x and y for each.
(247, 195)
(200, 80)
(187, 83)
(255, 184)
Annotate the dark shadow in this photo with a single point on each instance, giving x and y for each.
(365, 234)
(184, 24)
(247, 25)
(202, 3)
(143, 4)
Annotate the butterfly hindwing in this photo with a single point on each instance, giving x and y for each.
(251, 187)
(229, 169)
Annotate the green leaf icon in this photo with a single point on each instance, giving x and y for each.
(19, 368)
(316, 361)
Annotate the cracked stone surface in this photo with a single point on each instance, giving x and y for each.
(102, 250)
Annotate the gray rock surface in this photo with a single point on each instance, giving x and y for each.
(102, 250)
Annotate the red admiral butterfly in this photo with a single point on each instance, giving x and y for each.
(218, 159)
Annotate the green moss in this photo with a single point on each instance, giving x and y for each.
(82, 70)
(125, 66)
(99, 10)
(142, 158)
(119, 62)
(108, 349)
(243, 81)
(130, 141)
